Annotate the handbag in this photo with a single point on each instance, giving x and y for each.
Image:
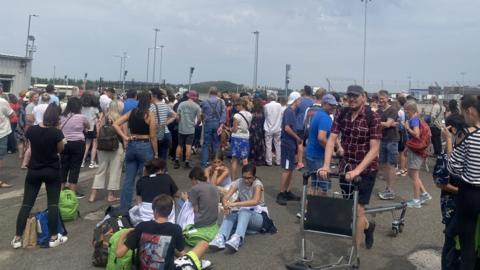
(29, 238)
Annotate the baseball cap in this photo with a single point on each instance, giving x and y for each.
(192, 94)
(293, 96)
(355, 90)
(329, 99)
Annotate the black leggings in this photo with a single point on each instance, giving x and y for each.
(33, 182)
(436, 140)
(468, 209)
(71, 158)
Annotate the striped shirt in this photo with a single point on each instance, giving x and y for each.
(164, 111)
(465, 159)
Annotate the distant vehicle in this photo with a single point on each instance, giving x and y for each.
(68, 90)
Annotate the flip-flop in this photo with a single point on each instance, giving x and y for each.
(4, 185)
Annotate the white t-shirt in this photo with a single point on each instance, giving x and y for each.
(5, 112)
(38, 112)
(242, 130)
(91, 115)
(273, 117)
(104, 102)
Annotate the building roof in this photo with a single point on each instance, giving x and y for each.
(14, 57)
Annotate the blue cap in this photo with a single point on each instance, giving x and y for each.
(329, 99)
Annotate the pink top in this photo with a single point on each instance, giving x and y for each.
(73, 126)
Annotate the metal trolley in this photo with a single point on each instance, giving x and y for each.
(333, 214)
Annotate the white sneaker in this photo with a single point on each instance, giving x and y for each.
(425, 196)
(83, 164)
(57, 242)
(234, 243)
(206, 264)
(414, 203)
(217, 243)
(16, 243)
(92, 165)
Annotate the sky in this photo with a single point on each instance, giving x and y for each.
(425, 40)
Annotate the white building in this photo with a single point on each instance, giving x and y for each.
(15, 73)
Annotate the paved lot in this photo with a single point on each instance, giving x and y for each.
(416, 248)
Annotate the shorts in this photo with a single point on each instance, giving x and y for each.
(365, 187)
(240, 148)
(414, 161)
(3, 146)
(313, 164)
(301, 134)
(185, 139)
(90, 135)
(287, 160)
(389, 153)
(194, 235)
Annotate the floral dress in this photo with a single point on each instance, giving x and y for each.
(257, 139)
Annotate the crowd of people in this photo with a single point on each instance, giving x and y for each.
(305, 131)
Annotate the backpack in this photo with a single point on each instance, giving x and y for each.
(102, 234)
(68, 205)
(114, 263)
(311, 111)
(43, 236)
(419, 145)
(107, 139)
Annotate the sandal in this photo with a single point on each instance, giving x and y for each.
(4, 185)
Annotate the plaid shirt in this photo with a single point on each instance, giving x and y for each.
(356, 136)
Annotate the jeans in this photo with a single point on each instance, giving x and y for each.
(138, 152)
(436, 140)
(33, 182)
(268, 147)
(313, 164)
(164, 145)
(210, 138)
(243, 220)
(71, 158)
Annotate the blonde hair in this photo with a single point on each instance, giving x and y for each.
(115, 109)
(411, 106)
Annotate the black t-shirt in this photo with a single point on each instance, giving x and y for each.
(44, 142)
(389, 134)
(149, 187)
(155, 244)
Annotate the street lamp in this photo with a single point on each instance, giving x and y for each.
(255, 64)
(190, 78)
(148, 60)
(123, 61)
(155, 54)
(28, 32)
(161, 61)
(365, 42)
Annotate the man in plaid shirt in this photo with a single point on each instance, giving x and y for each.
(361, 131)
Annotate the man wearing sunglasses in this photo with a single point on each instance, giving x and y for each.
(361, 132)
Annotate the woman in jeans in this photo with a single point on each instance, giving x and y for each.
(244, 214)
(465, 162)
(109, 161)
(46, 142)
(142, 144)
(73, 123)
(164, 115)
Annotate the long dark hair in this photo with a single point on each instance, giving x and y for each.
(74, 105)
(89, 100)
(51, 117)
(470, 101)
(144, 100)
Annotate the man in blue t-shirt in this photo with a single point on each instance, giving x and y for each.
(131, 102)
(317, 139)
(305, 102)
(290, 141)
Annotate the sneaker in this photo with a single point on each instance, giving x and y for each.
(281, 199)
(292, 197)
(299, 215)
(16, 243)
(399, 172)
(176, 164)
(187, 165)
(369, 235)
(79, 195)
(205, 264)
(218, 243)
(234, 243)
(414, 203)
(92, 165)
(424, 197)
(386, 195)
(60, 240)
(404, 173)
(83, 164)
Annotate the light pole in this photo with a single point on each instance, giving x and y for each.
(190, 78)
(123, 61)
(287, 78)
(148, 61)
(160, 69)
(154, 54)
(463, 73)
(255, 64)
(28, 32)
(365, 42)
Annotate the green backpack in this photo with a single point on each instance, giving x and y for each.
(68, 205)
(114, 263)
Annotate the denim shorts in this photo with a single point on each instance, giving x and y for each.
(287, 160)
(240, 148)
(313, 164)
(389, 153)
(3, 146)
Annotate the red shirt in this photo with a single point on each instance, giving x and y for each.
(15, 107)
(356, 136)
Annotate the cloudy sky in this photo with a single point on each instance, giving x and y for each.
(427, 40)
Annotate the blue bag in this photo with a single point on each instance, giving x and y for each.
(43, 236)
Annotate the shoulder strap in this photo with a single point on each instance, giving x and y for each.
(214, 109)
(64, 123)
(244, 118)
(158, 115)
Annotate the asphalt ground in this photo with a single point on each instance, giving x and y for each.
(416, 248)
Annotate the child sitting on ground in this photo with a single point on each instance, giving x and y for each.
(153, 183)
(218, 174)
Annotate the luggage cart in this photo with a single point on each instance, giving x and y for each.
(398, 222)
(331, 215)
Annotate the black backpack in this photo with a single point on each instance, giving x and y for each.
(107, 139)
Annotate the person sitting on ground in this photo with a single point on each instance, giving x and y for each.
(204, 198)
(218, 174)
(244, 214)
(154, 182)
(158, 241)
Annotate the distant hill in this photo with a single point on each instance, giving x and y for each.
(203, 87)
